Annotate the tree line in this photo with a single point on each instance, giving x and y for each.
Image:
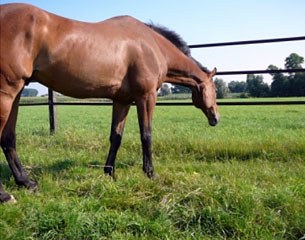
(283, 85)
(29, 92)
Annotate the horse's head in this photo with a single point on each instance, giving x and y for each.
(204, 97)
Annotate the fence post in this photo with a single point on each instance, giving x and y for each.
(52, 113)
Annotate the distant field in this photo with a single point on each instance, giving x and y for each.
(243, 179)
(183, 97)
(270, 99)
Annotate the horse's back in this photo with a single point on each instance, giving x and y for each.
(77, 58)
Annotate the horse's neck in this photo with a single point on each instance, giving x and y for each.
(183, 71)
(181, 78)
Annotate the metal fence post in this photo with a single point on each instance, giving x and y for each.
(52, 112)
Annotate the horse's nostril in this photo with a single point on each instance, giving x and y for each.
(213, 122)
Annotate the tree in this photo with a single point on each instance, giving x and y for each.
(237, 87)
(181, 89)
(279, 84)
(221, 87)
(294, 61)
(29, 92)
(295, 81)
(299, 84)
(165, 89)
(256, 86)
(291, 85)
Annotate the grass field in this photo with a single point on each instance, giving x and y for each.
(243, 179)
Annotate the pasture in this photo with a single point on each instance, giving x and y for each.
(243, 179)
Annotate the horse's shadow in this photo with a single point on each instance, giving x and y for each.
(59, 166)
(36, 171)
(56, 168)
(5, 172)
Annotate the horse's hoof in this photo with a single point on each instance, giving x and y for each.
(32, 186)
(111, 176)
(154, 177)
(108, 170)
(12, 200)
(151, 175)
(7, 199)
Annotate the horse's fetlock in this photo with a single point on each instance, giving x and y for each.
(24, 181)
(109, 170)
(149, 171)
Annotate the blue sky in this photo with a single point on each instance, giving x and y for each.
(206, 22)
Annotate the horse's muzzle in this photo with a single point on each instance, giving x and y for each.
(213, 116)
(214, 121)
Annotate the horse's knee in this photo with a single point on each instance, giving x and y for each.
(115, 140)
(3, 119)
(8, 144)
(8, 140)
(5, 109)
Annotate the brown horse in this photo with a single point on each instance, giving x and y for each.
(121, 59)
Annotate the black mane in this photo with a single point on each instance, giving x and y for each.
(175, 39)
(172, 36)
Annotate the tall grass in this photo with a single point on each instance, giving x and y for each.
(243, 179)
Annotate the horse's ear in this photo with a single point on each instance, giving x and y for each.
(213, 72)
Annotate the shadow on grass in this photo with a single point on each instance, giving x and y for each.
(55, 168)
(120, 164)
(60, 166)
(36, 171)
(5, 172)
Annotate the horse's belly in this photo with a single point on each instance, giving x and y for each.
(73, 86)
(84, 91)
(82, 77)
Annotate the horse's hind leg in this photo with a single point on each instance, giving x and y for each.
(119, 116)
(8, 144)
(8, 116)
(145, 107)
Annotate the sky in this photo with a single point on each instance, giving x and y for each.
(201, 21)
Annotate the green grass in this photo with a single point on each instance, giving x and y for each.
(243, 179)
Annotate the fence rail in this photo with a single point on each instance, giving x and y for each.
(248, 42)
(269, 71)
(169, 103)
(51, 103)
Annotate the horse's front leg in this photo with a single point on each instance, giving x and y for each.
(8, 144)
(119, 116)
(145, 107)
